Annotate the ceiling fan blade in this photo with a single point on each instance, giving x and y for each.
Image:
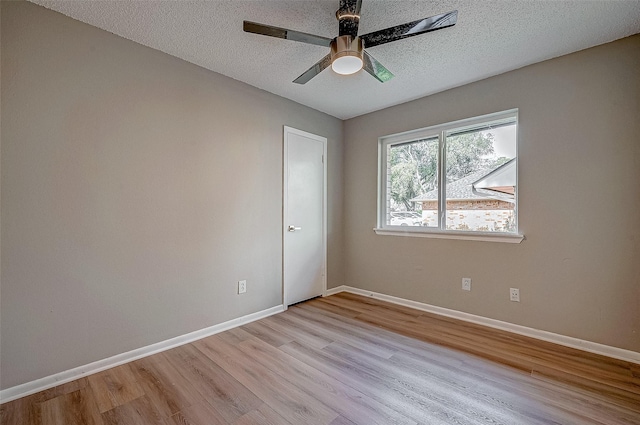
(271, 31)
(410, 29)
(314, 70)
(349, 17)
(375, 68)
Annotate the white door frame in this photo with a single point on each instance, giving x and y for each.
(285, 204)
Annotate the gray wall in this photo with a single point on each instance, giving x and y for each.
(136, 190)
(579, 191)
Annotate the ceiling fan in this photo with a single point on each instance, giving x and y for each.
(347, 54)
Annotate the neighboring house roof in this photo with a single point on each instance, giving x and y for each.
(498, 183)
(501, 181)
(459, 189)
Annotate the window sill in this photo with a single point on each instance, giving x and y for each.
(452, 234)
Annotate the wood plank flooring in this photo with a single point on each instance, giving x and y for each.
(348, 359)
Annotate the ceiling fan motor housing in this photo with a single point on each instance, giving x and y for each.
(346, 50)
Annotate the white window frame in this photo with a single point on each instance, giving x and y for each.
(439, 131)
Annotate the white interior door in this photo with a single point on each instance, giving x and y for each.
(304, 227)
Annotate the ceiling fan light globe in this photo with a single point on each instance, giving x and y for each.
(346, 65)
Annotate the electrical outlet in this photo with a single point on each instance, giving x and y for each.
(466, 283)
(242, 286)
(514, 294)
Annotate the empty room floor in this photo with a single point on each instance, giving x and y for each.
(347, 359)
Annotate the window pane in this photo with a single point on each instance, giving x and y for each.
(481, 178)
(412, 170)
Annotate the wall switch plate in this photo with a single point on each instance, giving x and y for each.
(466, 283)
(514, 294)
(242, 286)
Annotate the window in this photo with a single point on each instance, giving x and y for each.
(452, 180)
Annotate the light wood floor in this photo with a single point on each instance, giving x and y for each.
(347, 359)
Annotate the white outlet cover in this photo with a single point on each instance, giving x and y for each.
(242, 286)
(466, 283)
(514, 294)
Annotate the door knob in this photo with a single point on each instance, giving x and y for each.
(294, 228)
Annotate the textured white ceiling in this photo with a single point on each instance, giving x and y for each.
(491, 37)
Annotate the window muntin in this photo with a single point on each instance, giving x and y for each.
(459, 177)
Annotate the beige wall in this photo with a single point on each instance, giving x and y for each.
(579, 191)
(136, 190)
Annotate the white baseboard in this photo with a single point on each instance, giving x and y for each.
(338, 289)
(567, 341)
(32, 387)
(51, 381)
